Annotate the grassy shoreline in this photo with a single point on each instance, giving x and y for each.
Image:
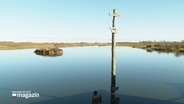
(162, 47)
(28, 45)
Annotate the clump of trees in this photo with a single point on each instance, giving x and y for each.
(164, 46)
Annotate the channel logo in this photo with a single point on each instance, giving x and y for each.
(25, 94)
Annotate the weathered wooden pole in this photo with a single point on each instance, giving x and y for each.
(113, 63)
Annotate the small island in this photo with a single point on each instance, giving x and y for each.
(53, 51)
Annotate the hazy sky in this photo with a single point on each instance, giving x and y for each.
(88, 20)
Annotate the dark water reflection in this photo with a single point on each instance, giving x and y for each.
(177, 54)
(143, 78)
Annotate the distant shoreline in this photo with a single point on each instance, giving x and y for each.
(166, 47)
(28, 45)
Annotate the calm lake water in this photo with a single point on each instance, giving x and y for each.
(142, 77)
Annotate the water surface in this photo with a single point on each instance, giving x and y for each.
(142, 77)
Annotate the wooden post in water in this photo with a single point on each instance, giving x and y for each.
(113, 64)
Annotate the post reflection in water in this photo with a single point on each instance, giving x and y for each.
(114, 88)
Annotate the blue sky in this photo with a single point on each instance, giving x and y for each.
(88, 20)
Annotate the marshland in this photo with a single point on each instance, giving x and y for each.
(174, 47)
